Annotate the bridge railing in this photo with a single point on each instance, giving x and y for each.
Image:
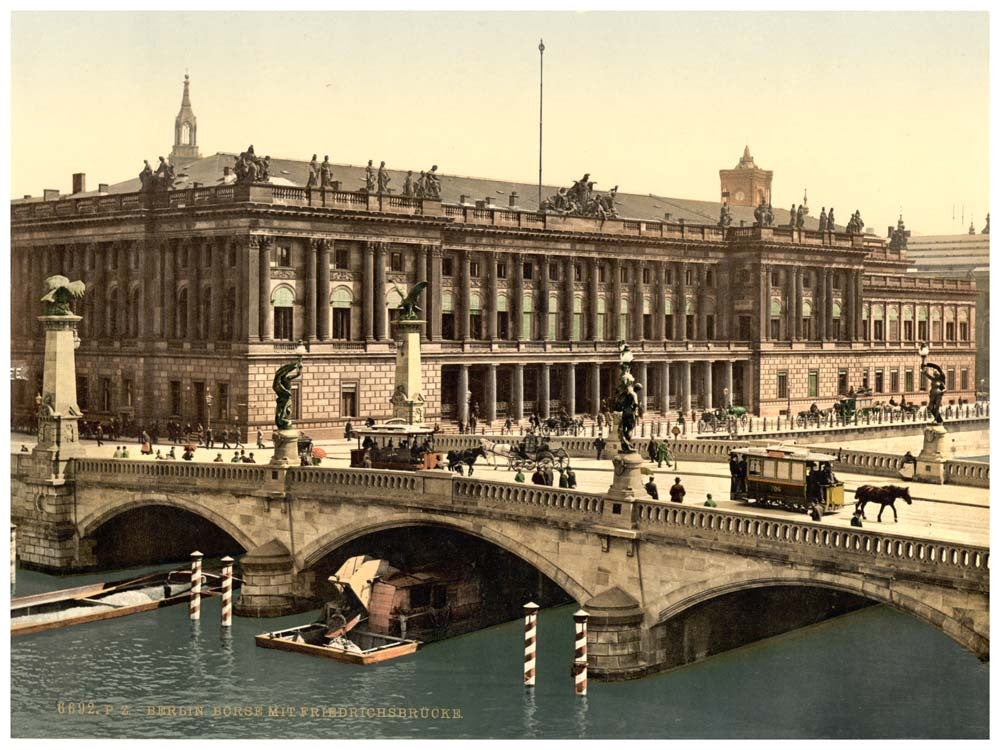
(132, 473)
(971, 473)
(898, 553)
(526, 495)
(373, 482)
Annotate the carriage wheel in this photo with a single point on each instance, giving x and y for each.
(562, 460)
(545, 461)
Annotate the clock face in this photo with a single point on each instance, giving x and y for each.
(740, 195)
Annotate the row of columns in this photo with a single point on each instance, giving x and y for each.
(823, 301)
(644, 370)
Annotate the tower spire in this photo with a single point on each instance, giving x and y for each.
(185, 129)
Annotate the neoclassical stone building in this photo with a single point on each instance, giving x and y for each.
(197, 294)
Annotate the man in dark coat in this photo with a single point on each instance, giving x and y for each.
(651, 489)
(677, 492)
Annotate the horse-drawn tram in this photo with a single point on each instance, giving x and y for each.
(783, 477)
(394, 445)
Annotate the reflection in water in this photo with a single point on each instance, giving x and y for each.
(873, 673)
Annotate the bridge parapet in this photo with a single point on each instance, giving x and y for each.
(965, 566)
(546, 498)
(363, 482)
(131, 474)
(972, 473)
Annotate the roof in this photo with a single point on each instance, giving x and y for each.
(208, 171)
(949, 254)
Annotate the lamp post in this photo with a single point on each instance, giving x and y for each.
(208, 411)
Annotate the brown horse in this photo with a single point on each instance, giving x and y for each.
(883, 495)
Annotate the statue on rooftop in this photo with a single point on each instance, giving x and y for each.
(420, 185)
(830, 225)
(162, 179)
(408, 184)
(326, 173)
(581, 200)
(313, 180)
(822, 219)
(383, 180)
(282, 387)
(371, 183)
(855, 225)
(432, 184)
(725, 218)
(250, 168)
(791, 215)
(59, 293)
(898, 236)
(800, 217)
(986, 229)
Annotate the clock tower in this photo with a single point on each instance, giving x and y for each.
(746, 184)
(185, 131)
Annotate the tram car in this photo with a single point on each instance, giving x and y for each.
(790, 478)
(394, 444)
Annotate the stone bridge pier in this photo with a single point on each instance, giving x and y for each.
(664, 584)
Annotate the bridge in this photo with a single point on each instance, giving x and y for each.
(660, 580)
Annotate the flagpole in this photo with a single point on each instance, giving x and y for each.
(541, 53)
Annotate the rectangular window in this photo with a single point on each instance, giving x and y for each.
(689, 277)
(775, 278)
(893, 330)
(553, 272)
(949, 331)
(526, 332)
(448, 326)
(935, 330)
(82, 393)
(577, 272)
(503, 325)
(396, 262)
(907, 330)
(475, 325)
(348, 399)
(577, 326)
(528, 271)
(864, 379)
(951, 378)
(689, 326)
(668, 326)
(668, 276)
(602, 274)
(601, 326)
(963, 331)
(623, 274)
(813, 383)
(645, 276)
(501, 270)
(448, 266)
(922, 330)
(553, 317)
(175, 398)
(710, 277)
(222, 401)
(342, 258)
(807, 328)
(783, 384)
(342, 323)
(841, 382)
(964, 382)
(232, 256)
(106, 404)
(474, 270)
(776, 328)
(807, 280)
(283, 323)
(894, 381)
(647, 326)
(284, 255)
(128, 391)
(878, 329)
(908, 381)
(743, 327)
(623, 325)
(710, 327)
(879, 381)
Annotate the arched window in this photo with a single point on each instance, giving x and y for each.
(527, 314)
(936, 324)
(113, 310)
(949, 324)
(577, 332)
(186, 134)
(775, 307)
(448, 316)
(836, 311)
(668, 318)
(340, 302)
(893, 315)
(602, 319)
(283, 301)
(623, 331)
(503, 317)
(878, 323)
(908, 329)
(475, 316)
(553, 317)
(807, 311)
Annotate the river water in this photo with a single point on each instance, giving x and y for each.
(874, 673)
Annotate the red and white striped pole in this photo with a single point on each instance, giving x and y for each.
(530, 631)
(227, 591)
(195, 609)
(580, 658)
(13, 555)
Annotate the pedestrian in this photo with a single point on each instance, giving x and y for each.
(563, 481)
(236, 458)
(461, 427)
(171, 454)
(260, 439)
(158, 456)
(815, 513)
(99, 434)
(251, 459)
(144, 437)
(188, 454)
(146, 449)
(507, 427)
(519, 477)
(550, 477)
(570, 478)
(709, 502)
(677, 492)
(663, 454)
(225, 438)
(651, 449)
(209, 439)
(652, 491)
(218, 459)
(538, 477)
(599, 444)
(856, 518)
(243, 456)
(348, 430)
(124, 451)
(24, 448)
(118, 452)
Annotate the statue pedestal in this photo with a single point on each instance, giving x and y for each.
(59, 414)
(625, 489)
(934, 454)
(286, 448)
(407, 398)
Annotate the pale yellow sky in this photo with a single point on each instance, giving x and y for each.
(870, 111)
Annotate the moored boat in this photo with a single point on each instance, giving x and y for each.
(354, 647)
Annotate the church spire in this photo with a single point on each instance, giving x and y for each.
(185, 130)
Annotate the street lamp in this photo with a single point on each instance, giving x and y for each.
(923, 350)
(208, 411)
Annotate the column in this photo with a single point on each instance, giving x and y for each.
(193, 292)
(543, 305)
(543, 389)
(828, 299)
(368, 293)
(168, 316)
(686, 386)
(707, 384)
(568, 295)
(433, 295)
(491, 392)
(635, 318)
(517, 296)
(659, 295)
(644, 393)
(309, 305)
(594, 293)
(517, 396)
(680, 304)
(569, 390)
(378, 296)
(615, 308)
(266, 325)
(723, 305)
(819, 305)
(789, 295)
(665, 387)
(423, 274)
(595, 387)
(701, 322)
(147, 283)
(323, 290)
(798, 303)
(251, 283)
(849, 311)
(465, 295)
(491, 296)
(218, 289)
(858, 302)
(765, 302)
(462, 397)
(731, 399)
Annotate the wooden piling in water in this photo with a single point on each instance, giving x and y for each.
(530, 638)
(195, 607)
(227, 591)
(580, 656)
(13, 554)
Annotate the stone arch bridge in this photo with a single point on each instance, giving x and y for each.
(647, 571)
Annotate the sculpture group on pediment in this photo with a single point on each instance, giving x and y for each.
(855, 225)
(427, 185)
(725, 218)
(162, 179)
(763, 215)
(251, 168)
(581, 200)
(898, 236)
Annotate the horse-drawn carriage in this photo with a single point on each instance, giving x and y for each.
(534, 451)
(789, 478)
(561, 424)
(719, 418)
(394, 445)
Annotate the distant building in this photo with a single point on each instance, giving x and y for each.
(746, 184)
(185, 131)
(960, 256)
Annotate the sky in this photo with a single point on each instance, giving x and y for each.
(881, 112)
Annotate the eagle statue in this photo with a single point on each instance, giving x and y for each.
(60, 291)
(408, 309)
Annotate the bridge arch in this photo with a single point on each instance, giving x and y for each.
(92, 522)
(684, 598)
(323, 545)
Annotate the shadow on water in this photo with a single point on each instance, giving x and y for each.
(872, 673)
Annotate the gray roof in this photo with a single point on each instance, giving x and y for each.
(949, 254)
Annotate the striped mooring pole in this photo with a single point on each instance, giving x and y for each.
(580, 657)
(227, 591)
(195, 609)
(530, 630)
(13, 554)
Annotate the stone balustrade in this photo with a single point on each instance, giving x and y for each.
(955, 562)
(529, 495)
(119, 471)
(969, 473)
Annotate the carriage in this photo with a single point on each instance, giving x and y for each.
(561, 424)
(779, 476)
(538, 452)
(394, 444)
(719, 418)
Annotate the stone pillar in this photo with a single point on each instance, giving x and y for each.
(789, 295)
(423, 274)
(267, 590)
(593, 272)
(680, 304)
(433, 293)
(323, 290)
(491, 302)
(723, 306)
(637, 304)
(615, 308)
(701, 325)
(368, 293)
(707, 385)
(309, 305)
(665, 387)
(829, 305)
(168, 318)
(729, 385)
(543, 305)
(193, 292)
(124, 297)
(569, 390)
(798, 303)
(659, 301)
(218, 289)
(641, 374)
(491, 392)
(568, 298)
(517, 388)
(614, 635)
(819, 304)
(686, 386)
(465, 296)
(517, 296)
(765, 302)
(595, 388)
(251, 311)
(462, 397)
(378, 298)
(543, 390)
(264, 286)
(858, 302)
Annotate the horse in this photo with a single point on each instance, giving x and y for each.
(458, 459)
(883, 495)
(504, 450)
